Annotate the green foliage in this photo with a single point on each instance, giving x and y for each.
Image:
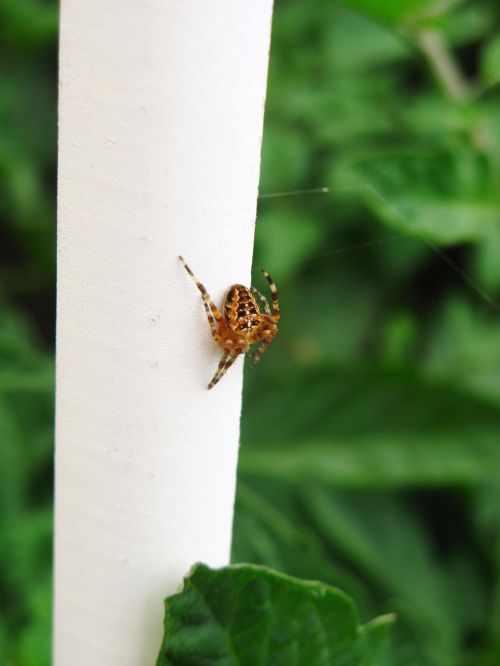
(26, 414)
(253, 616)
(370, 431)
(490, 65)
(392, 12)
(444, 197)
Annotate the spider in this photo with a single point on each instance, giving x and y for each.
(242, 323)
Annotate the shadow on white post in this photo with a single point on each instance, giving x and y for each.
(161, 111)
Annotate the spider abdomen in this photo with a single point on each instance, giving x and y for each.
(241, 324)
(241, 312)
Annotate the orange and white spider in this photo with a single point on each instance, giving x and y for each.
(242, 324)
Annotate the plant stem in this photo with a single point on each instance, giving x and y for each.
(442, 65)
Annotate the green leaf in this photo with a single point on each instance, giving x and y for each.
(30, 22)
(464, 349)
(399, 338)
(12, 467)
(490, 61)
(245, 615)
(487, 264)
(368, 428)
(285, 158)
(33, 645)
(431, 117)
(296, 234)
(466, 22)
(444, 197)
(389, 11)
(385, 537)
(268, 529)
(376, 44)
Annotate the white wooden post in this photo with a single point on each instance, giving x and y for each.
(161, 110)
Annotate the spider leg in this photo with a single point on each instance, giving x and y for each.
(227, 360)
(211, 321)
(274, 293)
(222, 362)
(257, 354)
(204, 294)
(263, 300)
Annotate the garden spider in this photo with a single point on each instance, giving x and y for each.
(242, 324)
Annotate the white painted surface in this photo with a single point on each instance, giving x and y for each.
(161, 110)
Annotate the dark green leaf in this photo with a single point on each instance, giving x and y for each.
(245, 615)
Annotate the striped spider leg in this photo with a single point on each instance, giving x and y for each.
(241, 323)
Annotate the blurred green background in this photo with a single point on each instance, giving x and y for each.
(370, 451)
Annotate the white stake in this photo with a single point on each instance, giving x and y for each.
(161, 106)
